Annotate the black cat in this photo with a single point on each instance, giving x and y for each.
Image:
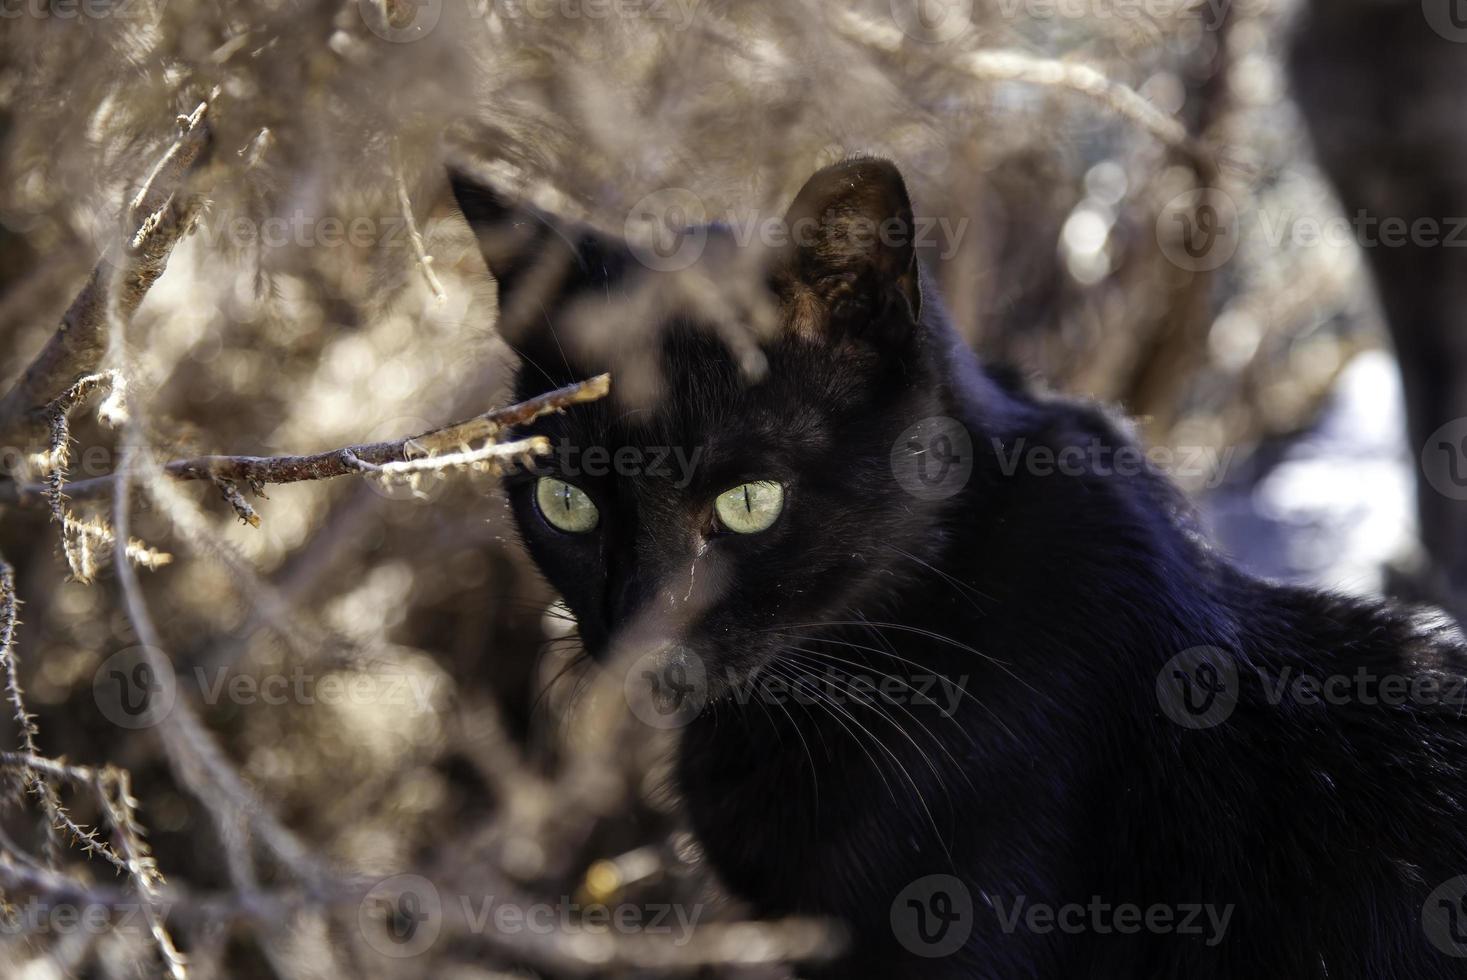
(974, 682)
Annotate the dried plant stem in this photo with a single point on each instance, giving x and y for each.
(113, 789)
(194, 755)
(400, 458)
(36, 780)
(420, 248)
(1016, 66)
(157, 219)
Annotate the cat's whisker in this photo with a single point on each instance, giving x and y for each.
(963, 692)
(896, 760)
(814, 766)
(790, 673)
(848, 688)
(963, 588)
(930, 634)
(904, 627)
(824, 659)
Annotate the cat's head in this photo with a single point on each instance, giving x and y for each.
(730, 492)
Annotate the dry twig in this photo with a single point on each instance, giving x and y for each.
(158, 218)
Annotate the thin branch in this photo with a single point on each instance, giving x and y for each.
(420, 249)
(1016, 66)
(141, 868)
(157, 219)
(38, 784)
(194, 754)
(396, 458)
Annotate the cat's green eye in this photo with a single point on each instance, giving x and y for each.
(750, 507)
(566, 506)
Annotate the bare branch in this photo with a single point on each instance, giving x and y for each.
(195, 756)
(1017, 66)
(401, 457)
(34, 780)
(420, 248)
(113, 789)
(156, 221)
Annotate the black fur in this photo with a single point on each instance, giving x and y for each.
(1062, 599)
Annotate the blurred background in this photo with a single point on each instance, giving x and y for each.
(1233, 220)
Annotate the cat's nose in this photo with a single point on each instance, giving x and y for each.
(679, 590)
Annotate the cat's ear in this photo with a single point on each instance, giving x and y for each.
(850, 257)
(539, 260)
(514, 237)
